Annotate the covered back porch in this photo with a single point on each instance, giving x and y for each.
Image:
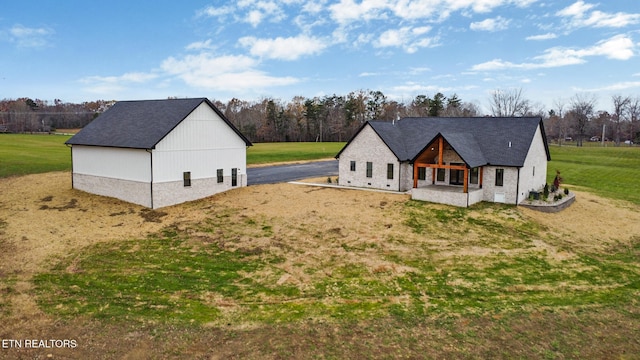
(439, 156)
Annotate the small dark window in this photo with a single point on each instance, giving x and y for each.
(186, 178)
(369, 169)
(499, 177)
(440, 174)
(353, 166)
(220, 175)
(422, 173)
(234, 177)
(390, 171)
(473, 176)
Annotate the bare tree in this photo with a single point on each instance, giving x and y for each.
(558, 119)
(620, 105)
(582, 106)
(509, 103)
(633, 111)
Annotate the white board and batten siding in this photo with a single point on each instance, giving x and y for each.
(110, 162)
(200, 146)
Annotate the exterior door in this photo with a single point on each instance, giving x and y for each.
(234, 177)
(456, 177)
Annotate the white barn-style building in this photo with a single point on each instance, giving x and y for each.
(455, 161)
(157, 153)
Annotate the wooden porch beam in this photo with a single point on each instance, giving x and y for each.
(481, 171)
(454, 167)
(465, 188)
(440, 150)
(415, 175)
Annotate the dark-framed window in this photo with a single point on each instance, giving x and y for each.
(186, 178)
(390, 171)
(440, 174)
(369, 169)
(234, 177)
(352, 165)
(220, 175)
(499, 177)
(473, 175)
(422, 173)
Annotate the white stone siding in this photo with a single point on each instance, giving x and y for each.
(368, 147)
(531, 179)
(510, 182)
(130, 191)
(406, 176)
(174, 192)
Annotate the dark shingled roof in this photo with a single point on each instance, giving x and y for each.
(478, 140)
(140, 124)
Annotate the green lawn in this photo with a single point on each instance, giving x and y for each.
(610, 172)
(262, 153)
(32, 154)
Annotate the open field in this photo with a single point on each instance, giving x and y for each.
(291, 271)
(22, 154)
(610, 171)
(264, 153)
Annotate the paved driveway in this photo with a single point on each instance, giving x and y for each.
(285, 173)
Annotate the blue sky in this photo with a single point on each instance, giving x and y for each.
(250, 49)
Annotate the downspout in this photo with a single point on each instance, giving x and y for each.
(151, 182)
(399, 176)
(518, 187)
(71, 148)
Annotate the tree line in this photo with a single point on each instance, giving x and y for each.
(338, 117)
(24, 115)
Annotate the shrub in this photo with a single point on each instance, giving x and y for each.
(546, 191)
(566, 191)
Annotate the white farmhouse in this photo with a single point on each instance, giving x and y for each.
(157, 153)
(456, 161)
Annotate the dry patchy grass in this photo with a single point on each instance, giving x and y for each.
(319, 233)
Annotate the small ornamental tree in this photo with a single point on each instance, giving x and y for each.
(557, 181)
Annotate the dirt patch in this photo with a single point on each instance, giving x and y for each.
(591, 222)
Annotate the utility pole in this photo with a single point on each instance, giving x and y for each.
(603, 127)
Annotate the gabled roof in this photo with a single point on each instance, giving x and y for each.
(141, 124)
(502, 141)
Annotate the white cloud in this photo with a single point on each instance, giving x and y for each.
(211, 11)
(619, 47)
(615, 87)
(30, 37)
(261, 10)
(133, 77)
(290, 48)
(577, 9)
(547, 36)
(578, 16)
(224, 73)
(410, 39)
(347, 11)
(114, 84)
(200, 45)
(495, 24)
